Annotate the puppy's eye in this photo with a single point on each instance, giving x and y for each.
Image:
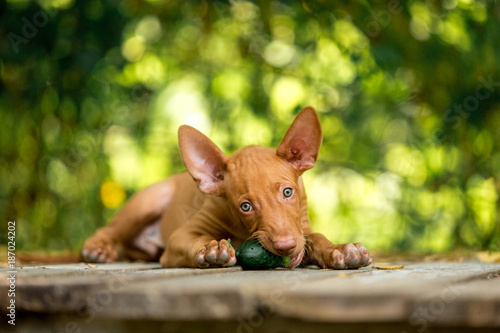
(287, 192)
(246, 207)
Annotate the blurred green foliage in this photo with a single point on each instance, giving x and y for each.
(92, 93)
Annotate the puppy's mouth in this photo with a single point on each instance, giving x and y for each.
(296, 259)
(266, 242)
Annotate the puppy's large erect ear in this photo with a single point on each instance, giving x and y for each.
(204, 161)
(302, 141)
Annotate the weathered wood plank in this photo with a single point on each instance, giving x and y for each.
(399, 295)
(71, 288)
(421, 294)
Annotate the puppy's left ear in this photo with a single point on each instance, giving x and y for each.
(302, 141)
(204, 161)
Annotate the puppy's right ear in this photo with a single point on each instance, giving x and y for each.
(302, 141)
(204, 161)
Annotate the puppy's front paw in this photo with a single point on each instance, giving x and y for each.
(216, 253)
(348, 256)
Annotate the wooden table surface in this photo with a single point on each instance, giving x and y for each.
(136, 297)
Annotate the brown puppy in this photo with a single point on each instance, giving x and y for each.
(255, 193)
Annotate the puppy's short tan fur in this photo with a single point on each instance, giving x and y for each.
(255, 193)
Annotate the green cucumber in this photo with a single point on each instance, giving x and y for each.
(253, 256)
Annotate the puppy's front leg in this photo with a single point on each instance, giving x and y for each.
(324, 253)
(337, 256)
(187, 249)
